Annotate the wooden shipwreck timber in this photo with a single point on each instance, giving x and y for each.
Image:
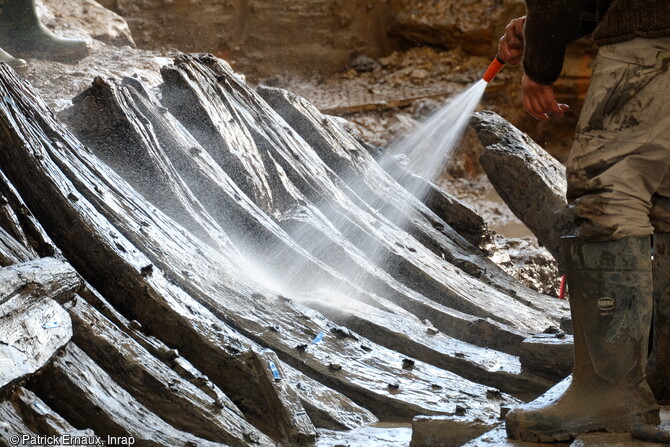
(206, 264)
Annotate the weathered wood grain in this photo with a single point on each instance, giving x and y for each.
(108, 120)
(12, 251)
(278, 146)
(31, 332)
(407, 335)
(46, 277)
(530, 181)
(352, 162)
(12, 425)
(346, 157)
(75, 387)
(457, 214)
(41, 419)
(325, 407)
(550, 355)
(20, 222)
(157, 386)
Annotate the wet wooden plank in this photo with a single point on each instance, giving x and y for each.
(32, 331)
(342, 153)
(43, 420)
(456, 213)
(9, 224)
(326, 407)
(550, 355)
(407, 335)
(351, 161)
(459, 215)
(12, 251)
(21, 223)
(156, 347)
(530, 181)
(75, 387)
(110, 123)
(12, 425)
(22, 238)
(157, 386)
(46, 277)
(272, 380)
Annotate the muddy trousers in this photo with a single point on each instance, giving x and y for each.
(618, 179)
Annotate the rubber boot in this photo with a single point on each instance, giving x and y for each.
(11, 60)
(658, 366)
(611, 303)
(22, 34)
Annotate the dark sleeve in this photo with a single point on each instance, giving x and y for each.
(588, 19)
(550, 26)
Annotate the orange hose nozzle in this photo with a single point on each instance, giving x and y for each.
(493, 69)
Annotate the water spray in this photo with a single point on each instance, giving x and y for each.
(493, 69)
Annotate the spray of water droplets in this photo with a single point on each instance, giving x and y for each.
(424, 153)
(426, 150)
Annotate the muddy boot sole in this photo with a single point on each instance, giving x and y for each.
(621, 424)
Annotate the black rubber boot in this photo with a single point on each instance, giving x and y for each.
(611, 303)
(658, 366)
(22, 34)
(11, 60)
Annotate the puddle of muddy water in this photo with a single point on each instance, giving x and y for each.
(381, 434)
(480, 194)
(510, 226)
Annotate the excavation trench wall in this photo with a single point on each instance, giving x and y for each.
(267, 37)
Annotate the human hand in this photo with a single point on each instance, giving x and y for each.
(510, 46)
(539, 99)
